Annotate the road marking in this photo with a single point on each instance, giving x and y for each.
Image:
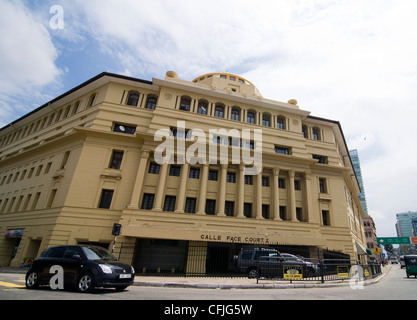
(10, 285)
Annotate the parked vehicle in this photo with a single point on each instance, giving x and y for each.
(402, 263)
(84, 267)
(246, 262)
(411, 265)
(277, 267)
(311, 268)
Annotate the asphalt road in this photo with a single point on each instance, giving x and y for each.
(394, 286)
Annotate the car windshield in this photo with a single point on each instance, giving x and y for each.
(97, 253)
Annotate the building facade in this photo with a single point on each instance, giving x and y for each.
(90, 158)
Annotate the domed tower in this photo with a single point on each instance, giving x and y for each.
(230, 83)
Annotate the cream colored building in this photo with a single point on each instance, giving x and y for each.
(75, 166)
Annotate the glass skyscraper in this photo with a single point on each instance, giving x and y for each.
(406, 224)
(357, 167)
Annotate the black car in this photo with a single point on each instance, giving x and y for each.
(84, 267)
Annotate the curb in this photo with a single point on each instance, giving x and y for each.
(256, 286)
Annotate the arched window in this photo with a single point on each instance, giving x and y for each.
(266, 120)
(185, 104)
(202, 107)
(281, 122)
(219, 111)
(133, 99)
(151, 103)
(251, 117)
(316, 133)
(236, 114)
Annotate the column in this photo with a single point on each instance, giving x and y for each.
(258, 193)
(293, 215)
(203, 190)
(241, 191)
(157, 205)
(275, 195)
(222, 191)
(140, 176)
(309, 199)
(180, 203)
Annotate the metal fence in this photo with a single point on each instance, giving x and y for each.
(210, 259)
(316, 270)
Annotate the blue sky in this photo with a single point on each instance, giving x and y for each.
(347, 60)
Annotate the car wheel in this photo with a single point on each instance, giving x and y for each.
(32, 280)
(253, 273)
(85, 283)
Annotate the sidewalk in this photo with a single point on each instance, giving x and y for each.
(243, 283)
(228, 283)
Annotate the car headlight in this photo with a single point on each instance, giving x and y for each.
(132, 270)
(105, 268)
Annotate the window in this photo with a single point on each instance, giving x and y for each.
(305, 131)
(248, 179)
(154, 168)
(124, 128)
(190, 205)
(151, 103)
(147, 202)
(231, 177)
(229, 208)
(282, 150)
(106, 198)
(281, 183)
(322, 185)
(321, 159)
(169, 204)
(210, 207)
(297, 184)
(282, 212)
(133, 99)
(185, 104)
(91, 101)
(194, 173)
(116, 159)
(219, 111)
(325, 217)
(180, 133)
(247, 210)
(299, 214)
(265, 181)
(63, 162)
(251, 117)
(281, 122)
(316, 133)
(202, 107)
(52, 198)
(174, 171)
(213, 175)
(266, 120)
(265, 211)
(236, 114)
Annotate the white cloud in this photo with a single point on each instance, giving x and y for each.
(348, 60)
(27, 59)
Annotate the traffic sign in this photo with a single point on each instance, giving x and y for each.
(393, 240)
(413, 240)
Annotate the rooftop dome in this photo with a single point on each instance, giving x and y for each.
(230, 83)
